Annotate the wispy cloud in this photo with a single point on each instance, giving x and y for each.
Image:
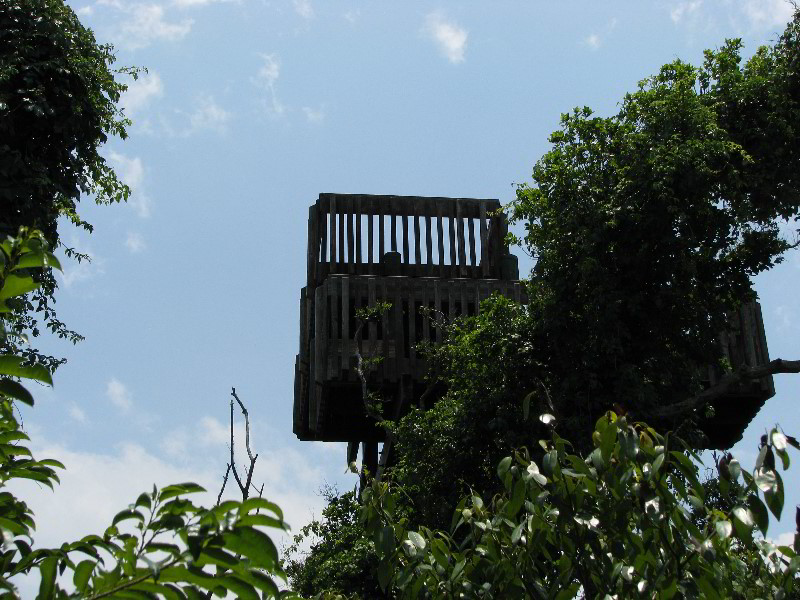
(763, 14)
(682, 10)
(596, 39)
(76, 413)
(135, 243)
(141, 91)
(144, 24)
(131, 171)
(265, 78)
(303, 8)
(449, 36)
(314, 115)
(118, 394)
(208, 116)
(352, 15)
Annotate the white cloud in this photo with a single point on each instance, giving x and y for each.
(141, 91)
(763, 14)
(450, 37)
(303, 8)
(593, 41)
(119, 394)
(77, 413)
(265, 78)
(684, 9)
(146, 23)
(352, 15)
(208, 116)
(131, 172)
(314, 115)
(135, 242)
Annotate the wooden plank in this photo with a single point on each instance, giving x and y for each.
(453, 262)
(372, 328)
(358, 233)
(462, 257)
(437, 306)
(351, 250)
(345, 323)
(399, 346)
(313, 246)
(426, 301)
(406, 256)
(464, 300)
(334, 287)
(341, 218)
(472, 257)
(428, 242)
(322, 225)
(370, 238)
(412, 324)
(381, 244)
(440, 235)
(388, 365)
(333, 235)
(417, 242)
(484, 241)
(451, 301)
(393, 232)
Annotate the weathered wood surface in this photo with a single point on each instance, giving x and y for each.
(448, 247)
(329, 358)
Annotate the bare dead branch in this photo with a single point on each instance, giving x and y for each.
(224, 483)
(246, 426)
(728, 381)
(232, 464)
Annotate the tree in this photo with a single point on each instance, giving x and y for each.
(162, 545)
(340, 559)
(647, 228)
(58, 106)
(613, 524)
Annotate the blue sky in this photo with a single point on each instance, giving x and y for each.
(249, 110)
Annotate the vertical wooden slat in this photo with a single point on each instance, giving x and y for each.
(322, 224)
(332, 368)
(406, 257)
(381, 244)
(370, 238)
(351, 251)
(464, 300)
(417, 242)
(451, 300)
(412, 324)
(373, 326)
(393, 232)
(472, 258)
(462, 257)
(428, 243)
(313, 246)
(358, 233)
(388, 364)
(453, 260)
(440, 235)
(342, 210)
(426, 300)
(345, 323)
(517, 292)
(333, 234)
(399, 335)
(484, 241)
(437, 304)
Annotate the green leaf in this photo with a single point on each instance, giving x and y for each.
(127, 514)
(758, 512)
(16, 285)
(503, 466)
(774, 497)
(417, 539)
(14, 389)
(82, 573)
(253, 544)
(14, 366)
(47, 570)
(37, 259)
(724, 528)
(743, 522)
(252, 504)
(178, 489)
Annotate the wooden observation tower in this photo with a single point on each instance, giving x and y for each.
(446, 255)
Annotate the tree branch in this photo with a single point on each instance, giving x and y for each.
(725, 384)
